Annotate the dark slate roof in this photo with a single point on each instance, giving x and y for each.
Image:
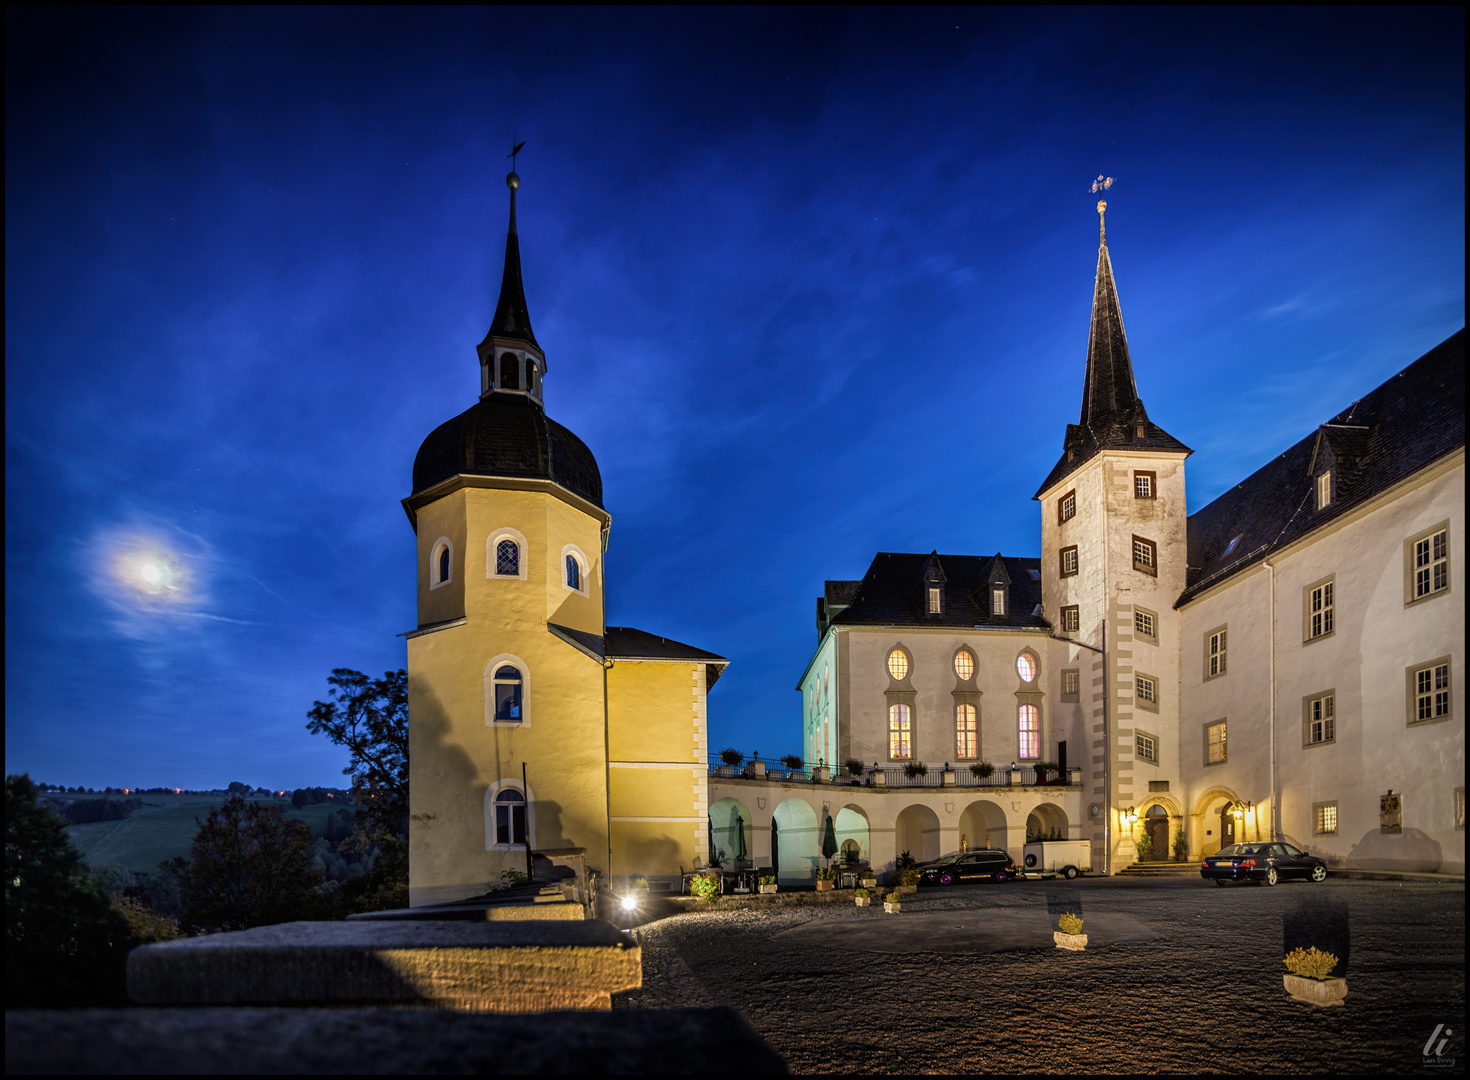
(1408, 423)
(507, 435)
(1111, 407)
(894, 591)
(626, 643)
(840, 592)
(512, 317)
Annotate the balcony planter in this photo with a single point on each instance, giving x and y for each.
(825, 886)
(1322, 992)
(1075, 942)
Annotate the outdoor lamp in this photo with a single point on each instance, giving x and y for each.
(1131, 814)
(630, 903)
(1236, 811)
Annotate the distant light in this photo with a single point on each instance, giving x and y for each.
(630, 903)
(150, 573)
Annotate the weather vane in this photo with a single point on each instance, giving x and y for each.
(517, 147)
(1101, 184)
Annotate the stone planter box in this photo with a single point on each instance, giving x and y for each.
(891, 909)
(769, 888)
(1322, 992)
(825, 886)
(1075, 942)
(905, 890)
(868, 882)
(861, 901)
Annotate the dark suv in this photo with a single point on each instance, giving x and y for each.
(991, 863)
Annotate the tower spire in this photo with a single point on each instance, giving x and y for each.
(510, 356)
(1108, 388)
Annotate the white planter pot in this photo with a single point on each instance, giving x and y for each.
(1322, 992)
(892, 909)
(861, 901)
(769, 888)
(1075, 942)
(869, 883)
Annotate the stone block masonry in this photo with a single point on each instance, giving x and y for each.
(500, 967)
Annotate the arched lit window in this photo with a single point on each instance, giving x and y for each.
(510, 817)
(574, 573)
(510, 371)
(964, 664)
(898, 664)
(1026, 667)
(900, 731)
(966, 732)
(444, 564)
(508, 557)
(1030, 731)
(507, 693)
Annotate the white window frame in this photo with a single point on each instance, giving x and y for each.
(1324, 489)
(900, 731)
(1067, 507)
(1069, 561)
(1074, 675)
(1431, 684)
(966, 728)
(1222, 743)
(1319, 604)
(491, 560)
(1146, 748)
(1022, 731)
(1146, 691)
(582, 565)
(997, 600)
(441, 544)
(1148, 561)
(1319, 718)
(503, 660)
(934, 601)
(526, 793)
(1427, 564)
(1071, 619)
(1216, 655)
(1146, 625)
(1145, 485)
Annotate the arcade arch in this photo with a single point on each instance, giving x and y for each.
(917, 832)
(853, 833)
(983, 824)
(795, 842)
(732, 828)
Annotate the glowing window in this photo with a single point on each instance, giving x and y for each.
(508, 558)
(1026, 667)
(898, 664)
(933, 600)
(1215, 743)
(964, 664)
(1326, 818)
(507, 693)
(510, 817)
(966, 732)
(900, 731)
(1029, 725)
(574, 573)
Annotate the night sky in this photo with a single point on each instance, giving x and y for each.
(811, 284)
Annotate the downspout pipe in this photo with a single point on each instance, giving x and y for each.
(1275, 800)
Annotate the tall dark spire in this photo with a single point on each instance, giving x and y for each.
(1109, 389)
(512, 321)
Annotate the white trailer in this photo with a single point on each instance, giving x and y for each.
(1066, 857)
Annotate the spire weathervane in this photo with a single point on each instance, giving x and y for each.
(1102, 183)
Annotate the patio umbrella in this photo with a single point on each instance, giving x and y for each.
(740, 852)
(775, 848)
(829, 840)
(713, 851)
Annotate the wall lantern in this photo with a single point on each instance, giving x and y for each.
(1131, 814)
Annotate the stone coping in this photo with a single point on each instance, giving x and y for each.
(529, 966)
(381, 1041)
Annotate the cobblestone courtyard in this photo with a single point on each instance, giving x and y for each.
(1186, 978)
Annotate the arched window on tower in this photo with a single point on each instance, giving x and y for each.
(510, 817)
(444, 564)
(510, 371)
(507, 693)
(531, 375)
(508, 557)
(574, 573)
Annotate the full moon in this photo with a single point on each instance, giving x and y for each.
(150, 574)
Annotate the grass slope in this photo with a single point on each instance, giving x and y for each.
(163, 828)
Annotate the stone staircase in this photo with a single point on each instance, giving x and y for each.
(1160, 869)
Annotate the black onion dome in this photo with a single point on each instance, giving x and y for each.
(505, 435)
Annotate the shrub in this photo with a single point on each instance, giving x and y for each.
(1310, 963)
(1181, 845)
(905, 861)
(768, 879)
(854, 767)
(640, 883)
(982, 770)
(861, 894)
(145, 925)
(514, 877)
(915, 769)
(1070, 924)
(907, 876)
(732, 757)
(791, 761)
(892, 898)
(1145, 846)
(826, 873)
(1045, 835)
(705, 886)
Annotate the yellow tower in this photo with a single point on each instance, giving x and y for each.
(511, 718)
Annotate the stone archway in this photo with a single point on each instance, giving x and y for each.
(853, 834)
(1216, 824)
(1047, 819)
(796, 842)
(983, 823)
(731, 826)
(1156, 828)
(917, 831)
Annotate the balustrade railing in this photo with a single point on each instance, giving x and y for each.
(895, 776)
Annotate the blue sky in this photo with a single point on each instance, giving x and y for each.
(812, 284)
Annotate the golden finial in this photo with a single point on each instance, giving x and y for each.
(1102, 183)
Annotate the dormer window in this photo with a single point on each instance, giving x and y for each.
(997, 600)
(1324, 490)
(934, 600)
(1141, 430)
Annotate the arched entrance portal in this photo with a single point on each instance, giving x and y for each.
(1047, 822)
(1217, 823)
(731, 833)
(983, 824)
(1156, 826)
(917, 832)
(795, 842)
(852, 835)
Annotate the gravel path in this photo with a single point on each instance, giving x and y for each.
(1204, 994)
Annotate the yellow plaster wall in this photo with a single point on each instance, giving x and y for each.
(446, 517)
(651, 711)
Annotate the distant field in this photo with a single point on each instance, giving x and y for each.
(165, 827)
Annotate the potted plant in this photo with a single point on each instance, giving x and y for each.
(982, 770)
(1145, 845)
(906, 880)
(890, 903)
(861, 897)
(1181, 847)
(705, 887)
(915, 769)
(1044, 767)
(640, 884)
(1070, 936)
(868, 880)
(1310, 977)
(792, 762)
(854, 767)
(768, 883)
(826, 879)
